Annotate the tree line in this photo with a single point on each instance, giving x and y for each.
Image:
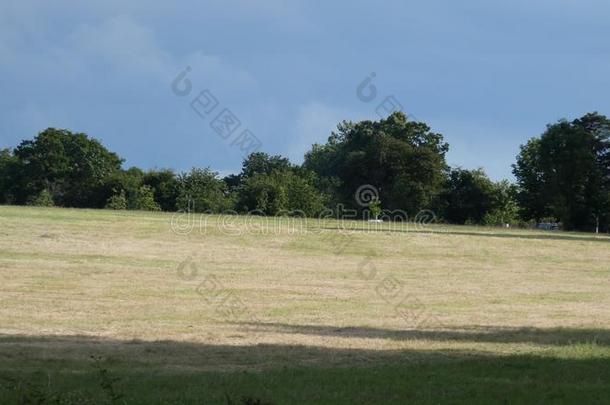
(562, 176)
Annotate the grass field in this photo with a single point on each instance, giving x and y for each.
(249, 308)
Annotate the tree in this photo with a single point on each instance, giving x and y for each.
(258, 163)
(505, 207)
(533, 198)
(8, 163)
(262, 163)
(375, 208)
(404, 160)
(566, 173)
(468, 196)
(280, 192)
(43, 199)
(125, 182)
(165, 186)
(117, 201)
(144, 200)
(202, 191)
(71, 166)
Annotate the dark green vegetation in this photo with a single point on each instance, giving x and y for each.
(562, 176)
(428, 377)
(566, 173)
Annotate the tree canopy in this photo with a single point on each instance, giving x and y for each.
(563, 175)
(403, 160)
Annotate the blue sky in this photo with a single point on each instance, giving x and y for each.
(487, 75)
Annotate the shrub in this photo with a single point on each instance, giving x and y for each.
(375, 208)
(145, 200)
(202, 190)
(117, 202)
(43, 199)
(278, 193)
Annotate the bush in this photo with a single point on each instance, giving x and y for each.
(117, 202)
(43, 199)
(202, 191)
(144, 200)
(375, 208)
(165, 186)
(280, 192)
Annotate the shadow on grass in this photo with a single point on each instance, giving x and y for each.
(485, 233)
(183, 372)
(487, 334)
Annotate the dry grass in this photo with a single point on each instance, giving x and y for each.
(73, 282)
(115, 275)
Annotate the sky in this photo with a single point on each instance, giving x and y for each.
(488, 75)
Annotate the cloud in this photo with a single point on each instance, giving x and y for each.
(122, 44)
(314, 123)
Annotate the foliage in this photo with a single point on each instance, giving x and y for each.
(563, 174)
(278, 193)
(566, 173)
(165, 185)
(127, 182)
(271, 185)
(8, 164)
(117, 201)
(43, 199)
(468, 196)
(505, 208)
(375, 208)
(404, 159)
(144, 200)
(262, 163)
(202, 191)
(71, 166)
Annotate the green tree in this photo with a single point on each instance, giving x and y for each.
(117, 201)
(404, 160)
(258, 163)
(375, 207)
(165, 186)
(280, 192)
(144, 200)
(127, 182)
(566, 173)
(505, 207)
(43, 199)
(71, 166)
(468, 196)
(8, 166)
(202, 191)
(262, 163)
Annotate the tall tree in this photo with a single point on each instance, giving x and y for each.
(469, 195)
(71, 166)
(202, 191)
(165, 186)
(8, 167)
(404, 160)
(566, 173)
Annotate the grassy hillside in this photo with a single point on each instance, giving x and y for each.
(316, 312)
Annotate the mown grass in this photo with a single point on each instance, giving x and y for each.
(316, 312)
